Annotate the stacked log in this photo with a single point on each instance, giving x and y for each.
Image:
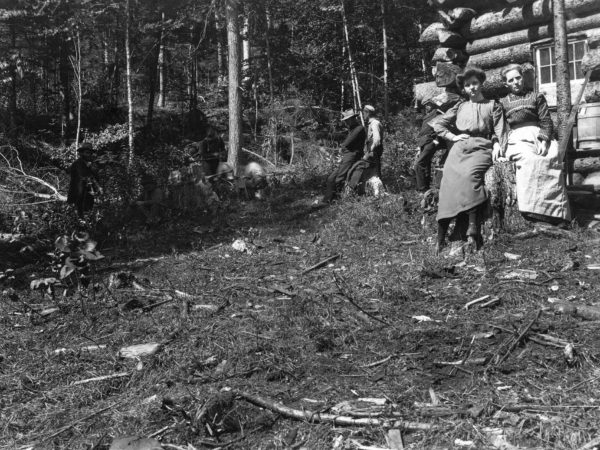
(501, 33)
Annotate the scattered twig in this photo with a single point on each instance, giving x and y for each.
(589, 380)
(316, 417)
(83, 419)
(102, 378)
(258, 156)
(377, 363)
(163, 430)
(477, 300)
(555, 232)
(520, 337)
(321, 264)
(340, 282)
(591, 445)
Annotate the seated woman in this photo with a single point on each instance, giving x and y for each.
(475, 127)
(540, 184)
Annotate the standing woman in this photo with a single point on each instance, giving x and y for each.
(541, 191)
(476, 127)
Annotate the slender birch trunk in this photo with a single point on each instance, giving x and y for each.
(246, 53)
(76, 63)
(161, 66)
(129, 88)
(386, 105)
(355, 86)
(268, 49)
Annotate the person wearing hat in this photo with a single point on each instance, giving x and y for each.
(352, 151)
(84, 184)
(427, 140)
(151, 201)
(374, 148)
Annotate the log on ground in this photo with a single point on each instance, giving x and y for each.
(531, 34)
(499, 58)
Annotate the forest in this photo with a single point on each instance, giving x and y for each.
(249, 314)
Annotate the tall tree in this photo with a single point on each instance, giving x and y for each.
(235, 98)
(563, 83)
(129, 87)
(386, 103)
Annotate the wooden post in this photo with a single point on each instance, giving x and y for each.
(563, 84)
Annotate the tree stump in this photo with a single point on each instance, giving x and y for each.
(500, 184)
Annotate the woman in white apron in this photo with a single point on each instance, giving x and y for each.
(540, 184)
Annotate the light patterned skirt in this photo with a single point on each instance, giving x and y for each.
(540, 182)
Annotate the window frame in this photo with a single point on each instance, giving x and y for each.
(549, 88)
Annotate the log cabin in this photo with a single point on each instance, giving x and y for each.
(494, 33)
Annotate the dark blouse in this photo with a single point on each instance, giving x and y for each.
(355, 141)
(529, 107)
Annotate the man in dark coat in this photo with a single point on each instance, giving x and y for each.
(84, 184)
(352, 151)
(427, 140)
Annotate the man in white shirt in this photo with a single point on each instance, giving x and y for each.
(374, 145)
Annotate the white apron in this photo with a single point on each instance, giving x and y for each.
(539, 179)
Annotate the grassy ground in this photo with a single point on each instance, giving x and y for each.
(311, 340)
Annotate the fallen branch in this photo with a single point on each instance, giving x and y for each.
(583, 311)
(520, 337)
(591, 445)
(321, 264)
(102, 378)
(340, 282)
(83, 419)
(470, 361)
(477, 300)
(258, 156)
(316, 417)
(554, 232)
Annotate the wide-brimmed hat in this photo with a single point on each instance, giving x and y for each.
(348, 114)
(369, 108)
(85, 147)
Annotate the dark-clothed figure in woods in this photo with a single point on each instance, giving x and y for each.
(352, 151)
(428, 141)
(209, 151)
(476, 126)
(151, 202)
(374, 148)
(540, 185)
(83, 185)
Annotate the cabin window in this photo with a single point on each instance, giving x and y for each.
(546, 68)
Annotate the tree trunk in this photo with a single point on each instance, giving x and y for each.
(268, 50)
(12, 69)
(235, 100)
(498, 58)
(76, 62)
(563, 83)
(116, 88)
(154, 65)
(161, 66)
(386, 105)
(354, 77)
(511, 19)
(193, 94)
(221, 45)
(65, 90)
(129, 87)
(246, 53)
